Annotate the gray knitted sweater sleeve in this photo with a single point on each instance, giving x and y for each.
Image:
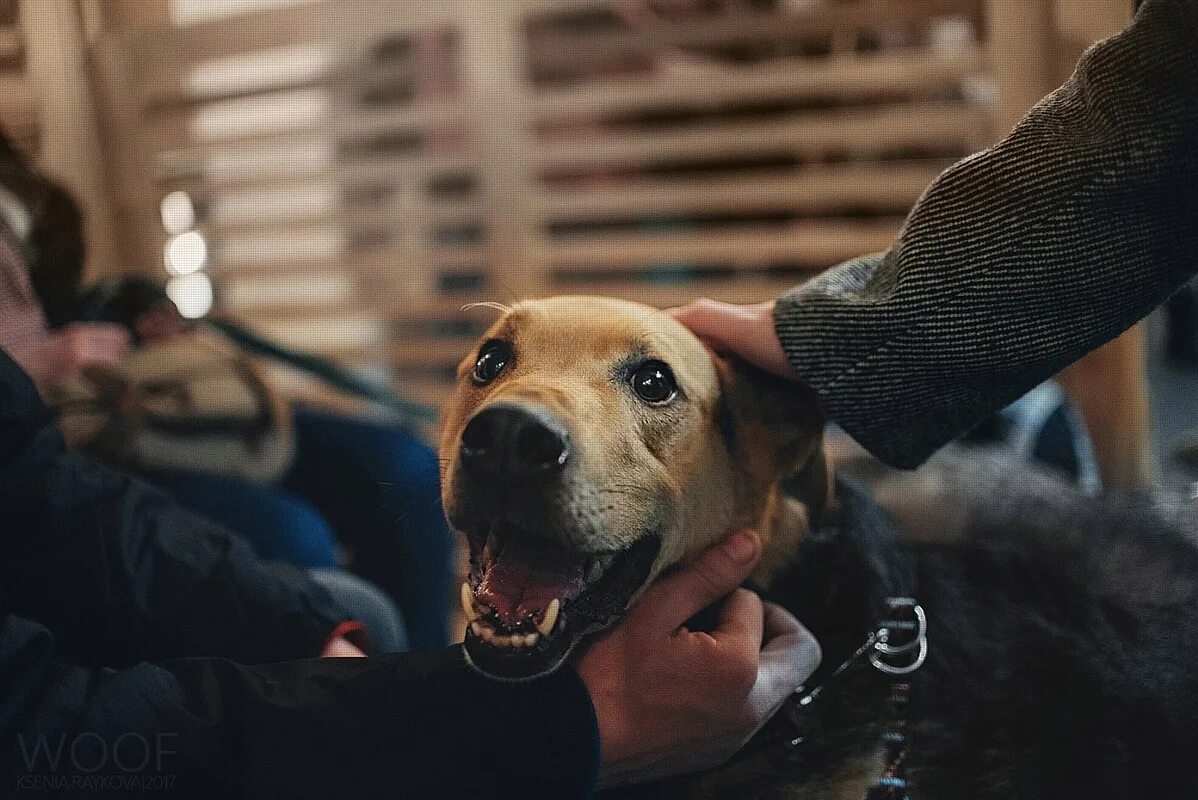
(1020, 259)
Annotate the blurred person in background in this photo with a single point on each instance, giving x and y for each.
(371, 486)
(41, 263)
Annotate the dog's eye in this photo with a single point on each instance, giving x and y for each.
(493, 358)
(654, 383)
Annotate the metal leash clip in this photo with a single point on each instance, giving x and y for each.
(906, 615)
(882, 650)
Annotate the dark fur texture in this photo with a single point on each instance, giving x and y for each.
(1063, 662)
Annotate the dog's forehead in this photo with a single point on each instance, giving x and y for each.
(581, 332)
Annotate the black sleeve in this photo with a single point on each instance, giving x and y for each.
(122, 574)
(1018, 260)
(415, 726)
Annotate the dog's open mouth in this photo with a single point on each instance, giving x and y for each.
(529, 601)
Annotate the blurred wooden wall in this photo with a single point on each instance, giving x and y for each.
(363, 168)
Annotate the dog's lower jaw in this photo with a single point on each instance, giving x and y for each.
(491, 647)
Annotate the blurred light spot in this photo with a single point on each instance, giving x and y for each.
(186, 253)
(178, 212)
(191, 293)
(951, 35)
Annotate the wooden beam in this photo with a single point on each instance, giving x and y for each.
(1021, 52)
(492, 49)
(815, 242)
(802, 190)
(859, 132)
(908, 72)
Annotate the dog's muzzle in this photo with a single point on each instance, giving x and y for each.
(511, 444)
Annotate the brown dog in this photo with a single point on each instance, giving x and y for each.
(593, 443)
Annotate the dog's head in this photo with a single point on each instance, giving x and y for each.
(592, 444)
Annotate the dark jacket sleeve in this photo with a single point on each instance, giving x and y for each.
(1020, 259)
(115, 574)
(410, 726)
(122, 574)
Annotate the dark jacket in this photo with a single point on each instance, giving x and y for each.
(136, 643)
(1018, 260)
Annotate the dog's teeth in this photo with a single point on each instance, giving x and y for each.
(491, 548)
(545, 626)
(468, 602)
(530, 639)
(598, 566)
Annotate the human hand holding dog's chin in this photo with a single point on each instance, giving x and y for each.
(746, 331)
(671, 701)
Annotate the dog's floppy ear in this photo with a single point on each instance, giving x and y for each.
(774, 428)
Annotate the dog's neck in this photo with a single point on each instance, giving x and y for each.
(835, 573)
(783, 524)
(788, 509)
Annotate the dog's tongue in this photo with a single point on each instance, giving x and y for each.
(527, 575)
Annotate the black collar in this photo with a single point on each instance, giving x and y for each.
(855, 550)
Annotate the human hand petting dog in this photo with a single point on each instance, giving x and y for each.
(671, 701)
(746, 331)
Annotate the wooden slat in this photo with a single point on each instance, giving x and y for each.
(344, 20)
(172, 88)
(182, 46)
(810, 189)
(867, 14)
(744, 290)
(910, 72)
(190, 178)
(437, 212)
(334, 335)
(551, 48)
(815, 242)
(860, 132)
(170, 129)
(377, 262)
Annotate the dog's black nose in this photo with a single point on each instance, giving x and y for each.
(506, 442)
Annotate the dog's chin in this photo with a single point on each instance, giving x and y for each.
(531, 602)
